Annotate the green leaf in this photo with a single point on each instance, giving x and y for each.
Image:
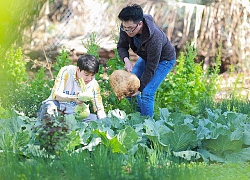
(74, 140)
(71, 122)
(93, 143)
(117, 113)
(237, 134)
(103, 137)
(180, 139)
(150, 127)
(177, 118)
(20, 139)
(236, 119)
(135, 119)
(242, 156)
(218, 129)
(113, 144)
(206, 155)
(116, 146)
(84, 136)
(246, 135)
(127, 137)
(117, 118)
(14, 134)
(203, 132)
(222, 145)
(164, 114)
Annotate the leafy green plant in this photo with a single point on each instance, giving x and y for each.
(185, 86)
(211, 79)
(51, 134)
(217, 137)
(61, 60)
(233, 104)
(15, 134)
(13, 73)
(115, 63)
(92, 45)
(34, 91)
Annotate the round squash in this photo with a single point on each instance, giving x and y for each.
(123, 83)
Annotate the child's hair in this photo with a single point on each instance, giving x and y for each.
(88, 63)
(132, 12)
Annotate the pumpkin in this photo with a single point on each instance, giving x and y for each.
(124, 83)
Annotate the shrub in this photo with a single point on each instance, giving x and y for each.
(33, 93)
(186, 86)
(61, 60)
(25, 94)
(12, 73)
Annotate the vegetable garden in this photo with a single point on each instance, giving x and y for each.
(190, 137)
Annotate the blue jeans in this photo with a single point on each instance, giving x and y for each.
(144, 102)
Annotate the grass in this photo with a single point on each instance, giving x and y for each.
(101, 164)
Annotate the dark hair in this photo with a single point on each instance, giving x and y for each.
(132, 12)
(88, 63)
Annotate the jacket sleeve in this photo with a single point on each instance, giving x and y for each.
(97, 102)
(60, 83)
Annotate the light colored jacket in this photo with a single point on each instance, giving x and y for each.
(66, 82)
